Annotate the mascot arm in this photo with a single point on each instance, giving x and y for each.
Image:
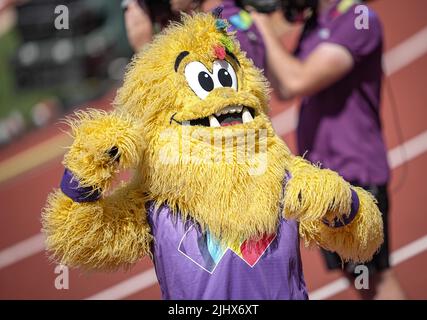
(332, 213)
(83, 226)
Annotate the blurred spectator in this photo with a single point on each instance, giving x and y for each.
(337, 71)
(6, 4)
(140, 27)
(142, 17)
(45, 70)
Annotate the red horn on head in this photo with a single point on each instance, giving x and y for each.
(219, 52)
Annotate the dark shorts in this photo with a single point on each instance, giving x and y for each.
(380, 261)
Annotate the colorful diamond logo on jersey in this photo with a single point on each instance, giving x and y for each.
(208, 251)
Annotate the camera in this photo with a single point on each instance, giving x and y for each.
(263, 6)
(294, 10)
(299, 10)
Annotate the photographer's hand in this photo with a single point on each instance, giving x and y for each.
(262, 21)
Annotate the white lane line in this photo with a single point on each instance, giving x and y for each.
(21, 250)
(405, 52)
(34, 156)
(397, 257)
(330, 289)
(411, 149)
(408, 251)
(127, 287)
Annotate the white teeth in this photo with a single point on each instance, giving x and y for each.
(185, 123)
(231, 109)
(213, 121)
(246, 116)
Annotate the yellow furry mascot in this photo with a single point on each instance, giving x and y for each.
(216, 199)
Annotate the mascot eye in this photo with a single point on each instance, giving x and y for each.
(225, 75)
(225, 78)
(205, 81)
(199, 79)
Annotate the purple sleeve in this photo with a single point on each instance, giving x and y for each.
(71, 188)
(355, 204)
(358, 41)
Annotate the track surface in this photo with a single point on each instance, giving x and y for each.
(31, 167)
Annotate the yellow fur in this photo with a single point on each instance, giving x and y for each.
(104, 235)
(313, 193)
(181, 166)
(358, 241)
(212, 193)
(95, 132)
(222, 196)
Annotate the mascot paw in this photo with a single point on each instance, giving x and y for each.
(103, 143)
(312, 194)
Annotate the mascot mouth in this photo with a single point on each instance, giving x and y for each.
(228, 116)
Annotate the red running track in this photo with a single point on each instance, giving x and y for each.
(22, 196)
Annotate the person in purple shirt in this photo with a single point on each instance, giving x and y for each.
(336, 69)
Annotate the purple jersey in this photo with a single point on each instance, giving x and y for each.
(193, 265)
(340, 126)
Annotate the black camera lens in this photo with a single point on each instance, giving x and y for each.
(263, 6)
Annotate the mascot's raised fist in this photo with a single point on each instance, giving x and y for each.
(103, 144)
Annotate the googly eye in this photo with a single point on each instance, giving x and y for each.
(199, 79)
(224, 74)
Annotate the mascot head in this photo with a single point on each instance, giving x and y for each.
(211, 152)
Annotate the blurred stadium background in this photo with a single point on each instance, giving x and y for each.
(47, 73)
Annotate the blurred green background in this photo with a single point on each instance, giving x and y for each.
(45, 71)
